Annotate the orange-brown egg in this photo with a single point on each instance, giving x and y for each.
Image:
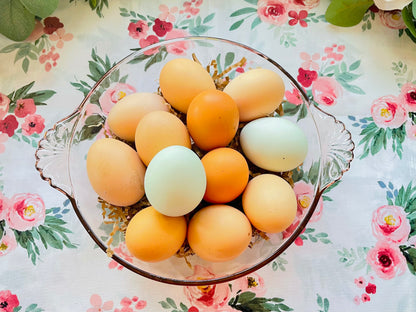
(257, 92)
(269, 202)
(158, 130)
(212, 119)
(219, 233)
(227, 174)
(115, 172)
(126, 113)
(152, 236)
(181, 80)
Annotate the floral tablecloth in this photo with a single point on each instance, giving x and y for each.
(357, 254)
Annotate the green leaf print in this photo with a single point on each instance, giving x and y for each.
(410, 255)
(323, 303)
(247, 301)
(355, 258)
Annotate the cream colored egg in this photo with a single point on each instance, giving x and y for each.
(219, 233)
(126, 113)
(181, 80)
(257, 92)
(158, 130)
(152, 236)
(269, 202)
(115, 172)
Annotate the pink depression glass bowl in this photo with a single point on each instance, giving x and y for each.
(61, 155)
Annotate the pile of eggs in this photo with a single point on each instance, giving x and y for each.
(191, 194)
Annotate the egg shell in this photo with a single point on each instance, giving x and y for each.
(127, 112)
(274, 143)
(157, 130)
(269, 202)
(227, 174)
(181, 80)
(115, 172)
(152, 236)
(175, 181)
(219, 233)
(257, 92)
(212, 119)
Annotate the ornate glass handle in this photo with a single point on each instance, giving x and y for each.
(336, 147)
(52, 154)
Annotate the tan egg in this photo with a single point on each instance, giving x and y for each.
(269, 202)
(181, 80)
(257, 93)
(115, 172)
(126, 113)
(219, 233)
(158, 130)
(152, 236)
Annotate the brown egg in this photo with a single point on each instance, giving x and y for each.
(152, 236)
(219, 233)
(115, 172)
(126, 113)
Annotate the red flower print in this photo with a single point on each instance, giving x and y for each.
(152, 39)
(193, 309)
(306, 77)
(8, 125)
(51, 25)
(98, 305)
(50, 56)
(298, 17)
(167, 14)
(386, 259)
(365, 298)
(26, 211)
(331, 53)
(192, 10)
(8, 301)
(162, 27)
(370, 288)
(4, 105)
(24, 107)
(33, 124)
(138, 30)
(61, 36)
(272, 11)
(294, 97)
(360, 282)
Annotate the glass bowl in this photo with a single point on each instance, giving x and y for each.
(61, 156)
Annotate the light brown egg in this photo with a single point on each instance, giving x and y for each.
(219, 233)
(152, 236)
(126, 113)
(115, 172)
(158, 130)
(269, 202)
(181, 80)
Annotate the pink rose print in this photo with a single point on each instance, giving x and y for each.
(294, 97)
(24, 107)
(4, 105)
(161, 28)
(298, 17)
(272, 11)
(390, 222)
(306, 77)
(7, 243)
(138, 30)
(408, 97)
(8, 301)
(26, 211)
(8, 125)
(122, 252)
(149, 40)
(410, 130)
(388, 111)
(113, 94)
(253, 283)
(304, 195)
(286, 233)
(326, 91)
(360, 282)
(167, 14)
(310, 61)
(61, 36)
(33, 124)
(98, 305)
(4, 206)
(306, 4)
(392, 19)
(208, 298)
(386, 260)
(178, 48)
